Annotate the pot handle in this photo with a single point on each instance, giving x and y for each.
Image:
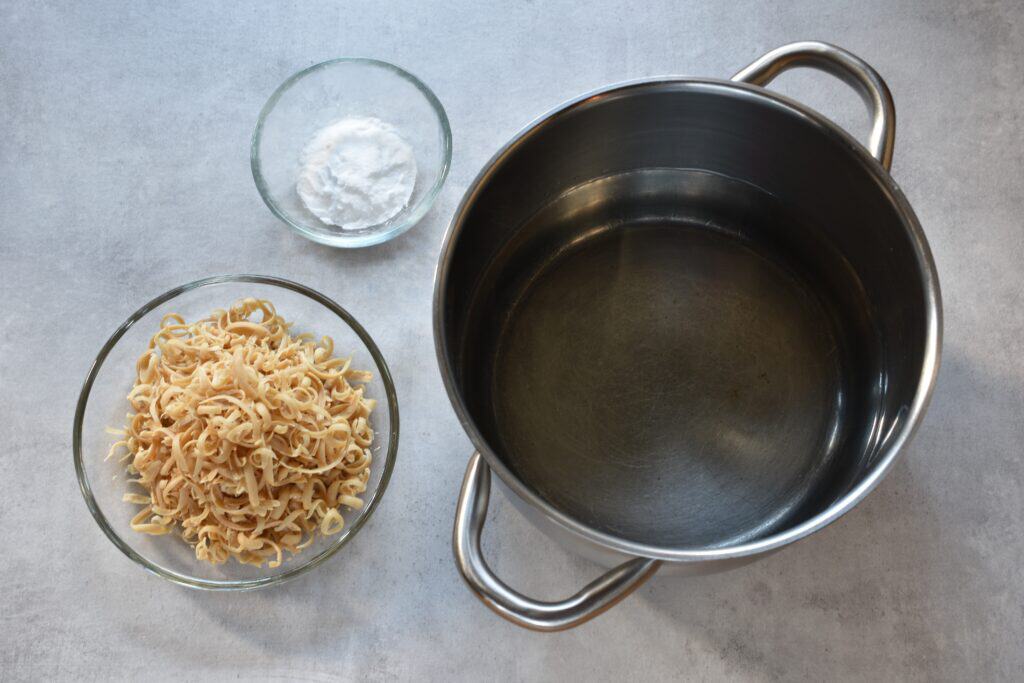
(846, 66)
(593, 599)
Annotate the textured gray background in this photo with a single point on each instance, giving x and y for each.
(124, 133)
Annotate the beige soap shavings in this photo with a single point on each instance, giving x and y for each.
(245, 438)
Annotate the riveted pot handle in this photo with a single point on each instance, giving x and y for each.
(846, 66)
(595, 597)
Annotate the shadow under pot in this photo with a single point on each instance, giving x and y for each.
(687, 322)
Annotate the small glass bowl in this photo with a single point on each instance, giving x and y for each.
(103, 403)
(324, 93)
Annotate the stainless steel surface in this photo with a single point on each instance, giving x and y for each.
(594, 598)
(687, 319)
(848, 67)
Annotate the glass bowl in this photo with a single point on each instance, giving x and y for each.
(336, 89)
(103, 404)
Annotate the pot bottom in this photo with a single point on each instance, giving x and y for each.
(666, 377)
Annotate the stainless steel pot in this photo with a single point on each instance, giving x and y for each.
(686, 321)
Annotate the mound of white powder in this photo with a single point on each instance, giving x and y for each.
(356, 172)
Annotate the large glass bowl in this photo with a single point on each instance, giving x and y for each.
(336, 89)
(103, 404)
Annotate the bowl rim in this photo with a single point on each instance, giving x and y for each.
(363, 240)
(306, 565)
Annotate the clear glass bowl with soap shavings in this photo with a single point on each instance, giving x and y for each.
(103, 403)
(325, 93)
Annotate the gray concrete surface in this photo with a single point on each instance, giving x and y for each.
(124, 132)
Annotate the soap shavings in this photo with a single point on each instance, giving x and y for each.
(243, 437)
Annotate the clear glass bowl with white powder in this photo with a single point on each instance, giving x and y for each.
(351, 152)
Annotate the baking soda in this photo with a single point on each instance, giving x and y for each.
(356, 173)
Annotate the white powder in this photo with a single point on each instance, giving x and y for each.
(356, 173)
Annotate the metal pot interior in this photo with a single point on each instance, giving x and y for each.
(684, 314)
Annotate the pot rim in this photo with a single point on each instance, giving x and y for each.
(897, 439)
